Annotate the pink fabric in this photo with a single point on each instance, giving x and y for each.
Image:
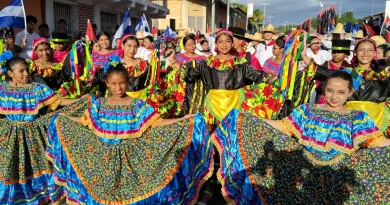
(271, 67)
(59, 56)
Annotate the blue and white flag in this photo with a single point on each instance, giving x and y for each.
(355, 28)
(124, 28)
(142, 24)
(169, 33)
(13, 15)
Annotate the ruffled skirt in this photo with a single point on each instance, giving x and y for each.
(26, 176)
(260, 165)
(166, 165)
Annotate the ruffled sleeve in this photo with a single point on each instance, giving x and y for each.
(293, 124)
(91, 112)
(365, 131)
(46, 97)
(119, 123)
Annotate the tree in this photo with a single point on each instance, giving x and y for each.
(257, 19)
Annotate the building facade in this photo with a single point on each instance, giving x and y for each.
(106, 14)
(196, 14)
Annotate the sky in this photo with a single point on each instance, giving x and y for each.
(278, 12)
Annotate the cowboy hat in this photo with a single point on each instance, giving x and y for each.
(239, 33)
(269, 28)
(339, 29)
(257, 37)
(359, 34)
(379, 40)
(190, 30)
(140, 35)
(181, 34)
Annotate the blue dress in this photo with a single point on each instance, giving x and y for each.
(323, 164)
(26, 176)
(120, 158)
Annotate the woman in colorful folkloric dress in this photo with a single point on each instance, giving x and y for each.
(370, 83)
(137, 67)
(325, 163)
(57, 76)
(26, 176)
(102, 56)
(272, 66)
(189, 54)
(126, 154)
(227, 82)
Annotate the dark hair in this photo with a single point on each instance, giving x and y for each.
(32, 19)
(93, 42)
(383, 47)
(188, 37)
(119, 69)
(149, 38)
(314, 37)
(43, 26)
(9, 64)
(203, 42)
(94, 26)
(103, 33)
(62, 21)
(130, 38)
(202, 36)
(342, 75)
(374, 65)
(280, 42)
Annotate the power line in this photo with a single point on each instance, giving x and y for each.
(294, 13)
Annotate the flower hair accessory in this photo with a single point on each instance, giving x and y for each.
(3, 58)
(113, 61)
(224, 31)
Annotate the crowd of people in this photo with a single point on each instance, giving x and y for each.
(161, 119)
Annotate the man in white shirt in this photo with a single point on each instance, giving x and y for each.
(266, 51)
(24, 39)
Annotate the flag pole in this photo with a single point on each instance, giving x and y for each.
(25, 20)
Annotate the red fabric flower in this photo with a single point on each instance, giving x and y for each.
(273, 104)
(267, 91)
(249, 94)
(179, 96)
(245, 106)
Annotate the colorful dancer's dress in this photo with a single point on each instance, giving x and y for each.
(229, 84)
(123, 159)
(26, 176)
(261, 165)
(371, 92)
(138, 81)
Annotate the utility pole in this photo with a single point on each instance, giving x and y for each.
(372, 9)
(321, 4)
(265, 7)
(341, 4)
(212, 15)
(228, 14)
